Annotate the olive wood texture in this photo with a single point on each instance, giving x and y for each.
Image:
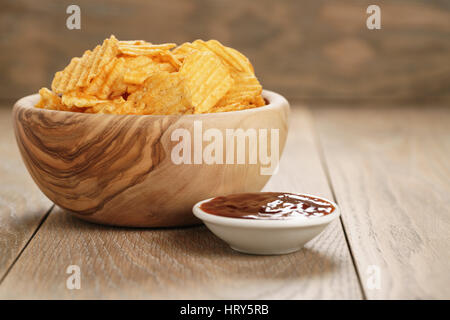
(118, 170)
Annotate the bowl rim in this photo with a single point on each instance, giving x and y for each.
(276, 101)
(262, 224)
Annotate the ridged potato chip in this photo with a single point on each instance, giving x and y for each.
(233, 58)
(104, 83)
(115, 106)
(141, 49)
(81, 71)
(232, 107)
(140, 68)
(207, 79)
(138, 77)
(134, 42)
(245, 91)
(81, 100)
(167, 56)
(157, 51)
(163, 93)
(49, 100)
(259, 101)
(182, 51)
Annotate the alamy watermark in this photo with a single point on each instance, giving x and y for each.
(374, 20)
(74, 280)
(229, 146)
(74, 20)
(373, 281)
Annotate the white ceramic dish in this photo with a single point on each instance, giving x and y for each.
(265, 237)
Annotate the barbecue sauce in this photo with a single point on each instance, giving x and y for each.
(268, 206)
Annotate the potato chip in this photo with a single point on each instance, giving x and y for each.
(245, 91)
(133, 42)
(110, 107)
(169, 57)
(230, 57)
(142, 49)
(140, 68)
(157, 51)
(104, 83)
(118, 89)
(131, 88)
(206, 78)
(80, 100)
(48, 100)
(232, 107)
(163, 93)
(163, 56)
(81, 71)
(259, 101)
(139, 77)
(137, 62)
(182, 51)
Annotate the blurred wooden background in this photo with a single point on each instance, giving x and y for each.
(311, 51)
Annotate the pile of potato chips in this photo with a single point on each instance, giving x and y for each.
(138, 77)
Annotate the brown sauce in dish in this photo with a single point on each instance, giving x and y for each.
(268, 206)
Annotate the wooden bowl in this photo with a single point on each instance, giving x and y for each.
(118, 169)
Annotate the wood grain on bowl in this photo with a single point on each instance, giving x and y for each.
(117, 169)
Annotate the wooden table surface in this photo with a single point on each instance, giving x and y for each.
(387, 168)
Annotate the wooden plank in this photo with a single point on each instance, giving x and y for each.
(189, 262)
(390, 171)
(22, 205)
(327, 43)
